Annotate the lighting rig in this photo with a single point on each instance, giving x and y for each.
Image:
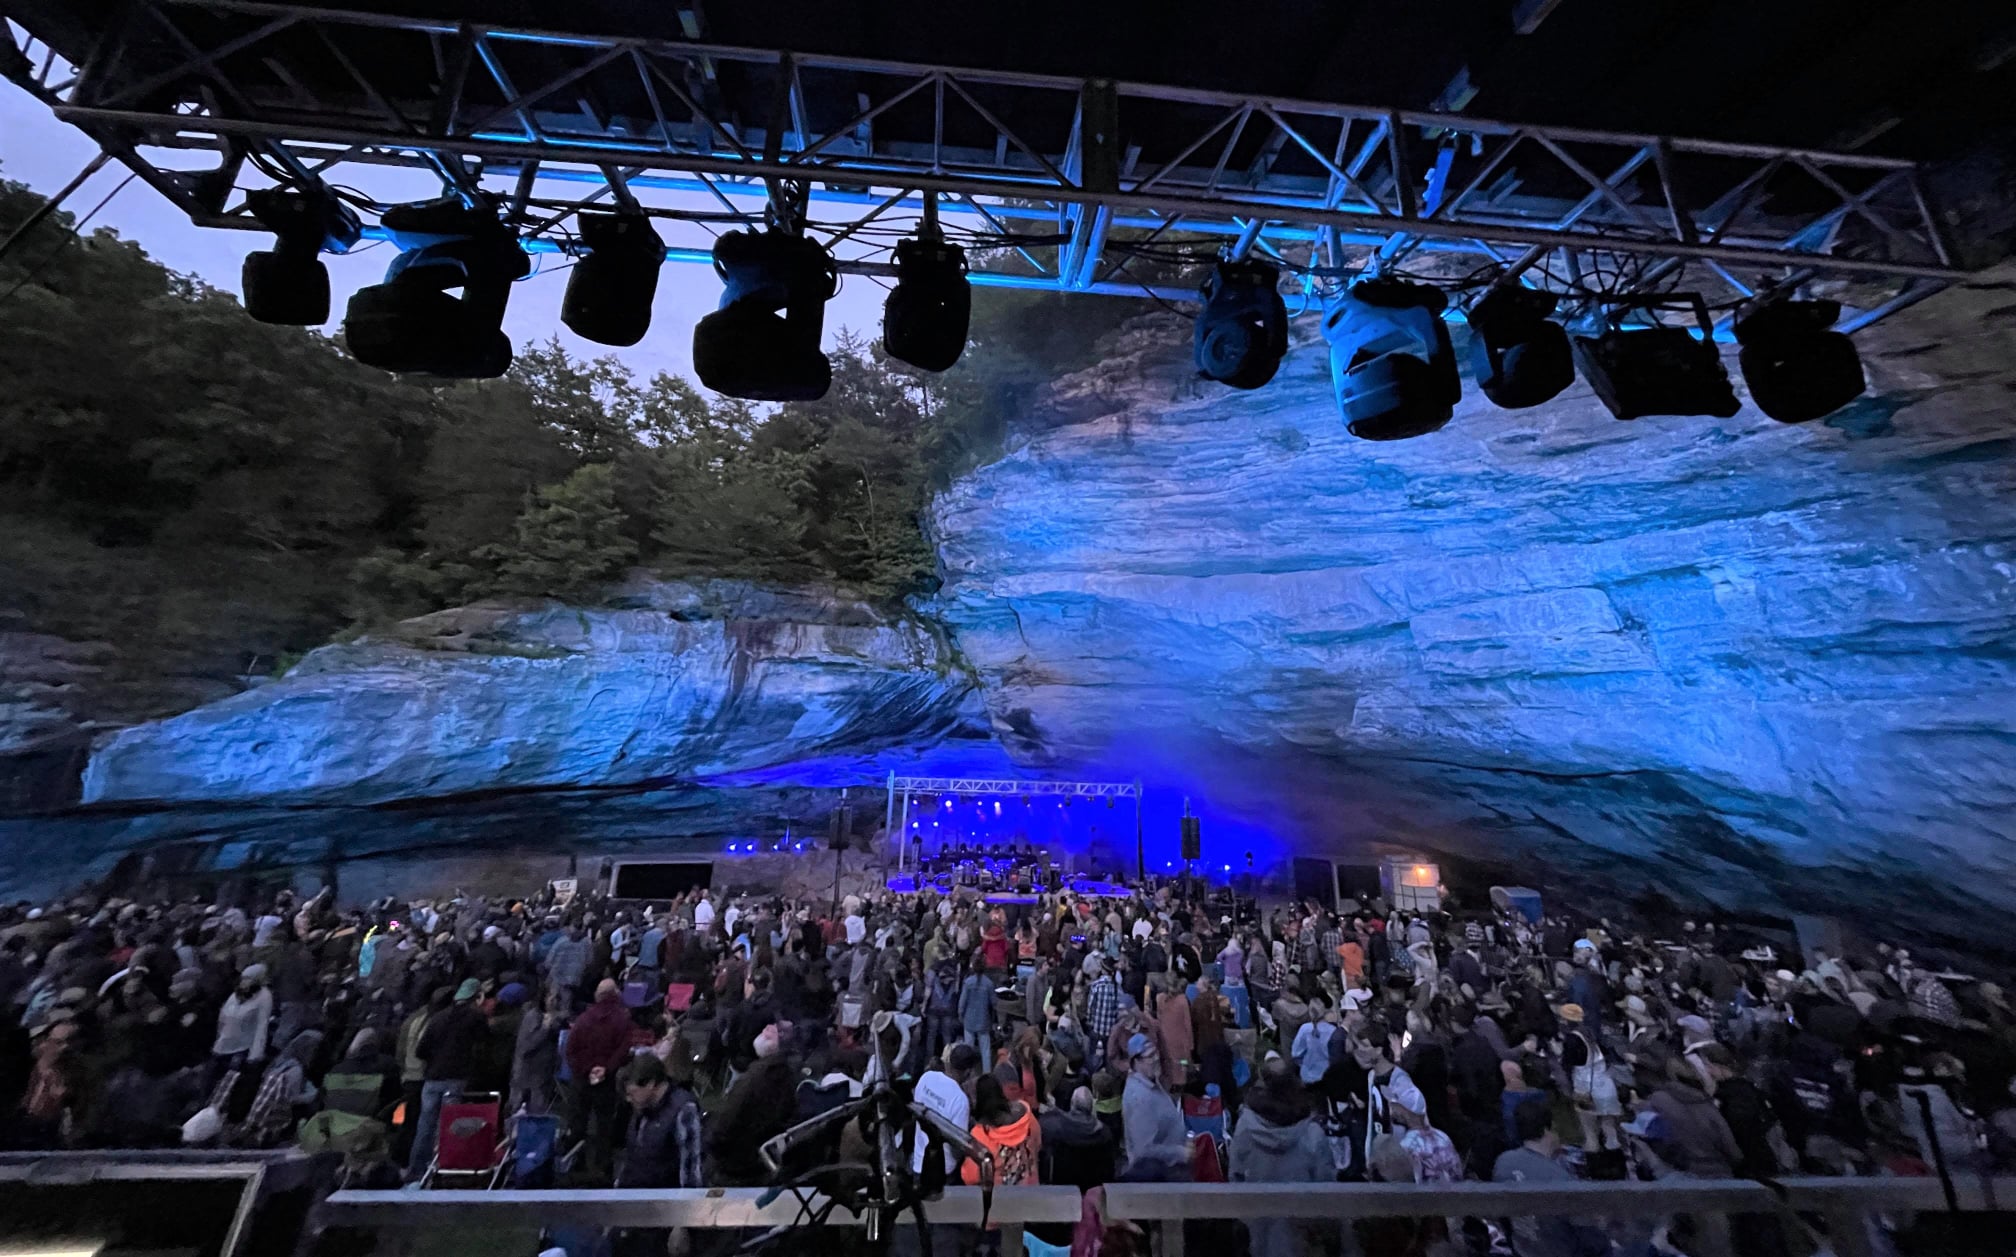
(1393, 360)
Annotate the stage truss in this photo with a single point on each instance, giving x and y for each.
(901, 789)
(1085, 172)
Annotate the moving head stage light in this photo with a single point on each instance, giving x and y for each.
(411, 322)
(1242, 331)
(1796, 366)
(1520, 357)
(610, 291)
(1656, 371)
(924, 320)
(1391, 359)
(746, 348)
(289, 284)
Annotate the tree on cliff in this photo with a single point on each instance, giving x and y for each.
(569, 540)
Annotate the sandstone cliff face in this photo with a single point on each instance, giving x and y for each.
(670, 683)
(1772, 665)
(1768, 666)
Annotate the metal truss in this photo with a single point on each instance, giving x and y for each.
(1009, 785)
(896, 820)
(1064, 182)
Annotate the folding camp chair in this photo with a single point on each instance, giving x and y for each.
(1205, 1114)
(471, 1147)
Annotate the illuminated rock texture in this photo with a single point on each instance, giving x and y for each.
(1769, 666)
(672, 683)
(1757, 662)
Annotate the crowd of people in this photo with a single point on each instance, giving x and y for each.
(1160, 1035)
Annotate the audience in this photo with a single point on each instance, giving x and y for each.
(1146, 1036)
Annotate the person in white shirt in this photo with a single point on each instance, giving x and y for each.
(1387, 1085)
(703, 915)
(943, 1090)
(733, 915)
(243, 1022)
(857, 929)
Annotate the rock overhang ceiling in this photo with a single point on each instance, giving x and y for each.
(1763, 665)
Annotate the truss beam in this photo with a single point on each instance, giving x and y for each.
(323, 88)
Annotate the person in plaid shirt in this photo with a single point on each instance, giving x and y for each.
(1102, 1008)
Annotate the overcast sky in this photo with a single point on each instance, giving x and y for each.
(43, 153)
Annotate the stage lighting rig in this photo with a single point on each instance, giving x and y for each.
(1520, 356)
(288, 284)
(1657, 370)
(924, 320)
(411, 322)
(1796, 366)
(763, 342)
(1391, 360)
(1242, 331)
(609, 294)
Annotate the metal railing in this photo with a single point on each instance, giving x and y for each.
(1840, 1205)
(704, 1207)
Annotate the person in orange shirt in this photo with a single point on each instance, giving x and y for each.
(1008, 1129)
(1353, 954)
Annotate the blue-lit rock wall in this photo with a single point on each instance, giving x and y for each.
(1765, 664)
(670, 683)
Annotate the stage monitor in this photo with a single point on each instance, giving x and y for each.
(658, 879)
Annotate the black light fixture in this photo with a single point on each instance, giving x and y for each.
(763, 341)
(288, 284)
(1796, 366)
(1656, 371)
(1391, 361)
(610, 291)
(1520, 356)
(1242, 331)
(412, 322)
(924, 321)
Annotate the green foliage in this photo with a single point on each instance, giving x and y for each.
(569, 541)
(178, 477)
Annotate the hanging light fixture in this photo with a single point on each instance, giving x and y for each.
(412, 322)
(288, 284)
(763, 342)
(924, 321)
(1656, 371)
(611, 287)
(1520, 357)
(1241, 332)
(1796, 366)
(1391, 361)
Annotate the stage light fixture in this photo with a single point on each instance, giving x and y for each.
(411, 322)
(288, 284)
(1796, 366)
(610, 290)
(763, 342)
(1242, 330)
(1656, 371)
(1520, 357)
(924, 320)
(1391, 361)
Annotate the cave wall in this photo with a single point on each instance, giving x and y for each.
(1772, 666)
(1765, 666)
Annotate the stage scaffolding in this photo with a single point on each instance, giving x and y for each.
(896, 819)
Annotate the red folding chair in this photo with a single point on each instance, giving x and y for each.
(472, 1145)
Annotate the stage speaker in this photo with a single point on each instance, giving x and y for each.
(1193, 838)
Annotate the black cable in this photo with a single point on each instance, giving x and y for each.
(68, 236)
